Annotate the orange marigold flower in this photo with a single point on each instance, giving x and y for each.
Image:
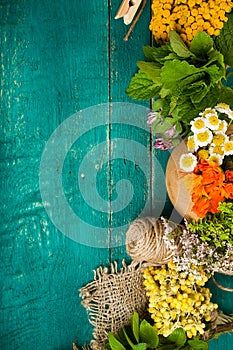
(228, 188)
(229, 175)
(216, 198)
(210, 186)
(202, 206)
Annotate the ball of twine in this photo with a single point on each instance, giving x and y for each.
(145, 243)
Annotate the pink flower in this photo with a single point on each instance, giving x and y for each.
(163, 144)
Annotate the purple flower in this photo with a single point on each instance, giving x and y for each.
(152, 116)
(163, 144)
(171, 131)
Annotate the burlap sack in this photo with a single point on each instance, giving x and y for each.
(112, 298)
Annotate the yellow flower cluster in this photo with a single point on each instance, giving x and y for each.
(177, 299)
(188, 17)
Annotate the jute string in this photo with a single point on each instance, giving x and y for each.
(145, 242)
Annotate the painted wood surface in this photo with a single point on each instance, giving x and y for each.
(58, 58)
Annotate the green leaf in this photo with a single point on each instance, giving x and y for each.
(148, 334)
(151, 69)
(141, 87)
(215, 74)
(178, 127)
(197, 91)
(198, 344)
(178, 336)
(178, 46)
(201, 44)
(157, 105)
(157, 53)
(131, 344)
(217, 58)
(226, 95)
(175, 71)
(192, 78)
(140, 346)
(135, 325)
(161, 126)
(114, 343)
(224, 42)
(171, 56)
(162, 105)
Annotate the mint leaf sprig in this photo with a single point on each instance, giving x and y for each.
(185, 80)
(141, 335)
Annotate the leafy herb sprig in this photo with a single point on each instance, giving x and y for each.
(217, 229)
(186, 79)
(141, 335)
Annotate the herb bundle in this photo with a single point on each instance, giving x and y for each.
(185, 80)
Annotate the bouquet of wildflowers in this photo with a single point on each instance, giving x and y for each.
(208, 162)
(207, 172)
(185, 75)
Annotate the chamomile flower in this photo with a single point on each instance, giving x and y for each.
(219, 139)
(203, 138)
(228, 148)
(198, 124)
(208, 111)
(213, 149)
(192, 147)
(212, 121)
(215, 158)
(223, 125)
(188, 162)
(224, 108)
(203, 154)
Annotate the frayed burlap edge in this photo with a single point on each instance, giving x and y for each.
(111, 299)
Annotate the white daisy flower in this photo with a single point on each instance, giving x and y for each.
(212, 121)
(192, 147)
(216, 149)
(208, 111)
(198, 124)
(228, 148)
(219, 139)
(224, 108)
(223, 125)
(203, 138)
(216, 158)
(188, 162)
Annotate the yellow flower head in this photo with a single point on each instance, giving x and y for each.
(217, 150)
(198, 124)
(222, 127)
(224, 108)
(219, 139)
(228, 148)
(188, 17)
(215, 158)
(203, 138)
(191, 144)
(188, 162)
(203, 154)
(212, 121)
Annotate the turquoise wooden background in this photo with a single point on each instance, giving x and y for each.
(57, 58)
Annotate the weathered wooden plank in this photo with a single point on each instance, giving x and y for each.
(54, 62)
(123, 57)
(58, 58)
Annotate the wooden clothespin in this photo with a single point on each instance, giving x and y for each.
(127, 10)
